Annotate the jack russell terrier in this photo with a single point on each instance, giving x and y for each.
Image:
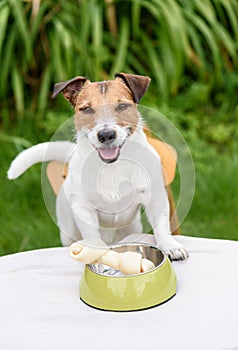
(113, 171)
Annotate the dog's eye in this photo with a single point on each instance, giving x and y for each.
(87, 110)
(122, 106)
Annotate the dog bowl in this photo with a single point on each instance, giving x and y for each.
(107, 289)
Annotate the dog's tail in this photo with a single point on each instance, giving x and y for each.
(43, 152)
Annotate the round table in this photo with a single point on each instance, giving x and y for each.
(40, 306)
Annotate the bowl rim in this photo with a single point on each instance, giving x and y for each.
(118, 245)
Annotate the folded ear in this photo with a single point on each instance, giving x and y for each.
(138, 84)
(70, 88)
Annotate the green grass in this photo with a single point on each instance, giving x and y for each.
(188, 48)
(26, 223)
(214, 210)
(174, 42)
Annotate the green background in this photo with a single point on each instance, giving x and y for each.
(188, 48)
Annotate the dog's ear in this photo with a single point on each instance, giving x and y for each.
(138, 84)
(70, 88)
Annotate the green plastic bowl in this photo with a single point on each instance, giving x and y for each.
(101, 289)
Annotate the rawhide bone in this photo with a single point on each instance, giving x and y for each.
(129, 263)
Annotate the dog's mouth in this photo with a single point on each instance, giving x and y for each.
(109, 154)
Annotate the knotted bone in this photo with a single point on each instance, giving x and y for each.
(129, 263)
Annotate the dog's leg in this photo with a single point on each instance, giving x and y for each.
(157, 211)
(76, 221)
(69, 233)
(85, 216)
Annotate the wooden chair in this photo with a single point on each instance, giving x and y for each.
(57, 171)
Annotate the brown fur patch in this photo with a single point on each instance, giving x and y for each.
(103, 87)
(110, 99)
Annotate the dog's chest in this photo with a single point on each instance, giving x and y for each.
(115, 186)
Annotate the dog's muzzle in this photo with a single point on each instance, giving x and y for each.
(108, 152)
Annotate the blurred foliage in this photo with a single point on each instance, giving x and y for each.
(175, 42)
(188, 47)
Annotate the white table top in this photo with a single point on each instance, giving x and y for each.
(40, 306)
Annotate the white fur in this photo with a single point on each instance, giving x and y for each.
(43, 152)
(99, 200)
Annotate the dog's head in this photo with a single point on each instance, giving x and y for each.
(105, 111)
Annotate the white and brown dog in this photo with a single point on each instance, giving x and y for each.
(113, 170)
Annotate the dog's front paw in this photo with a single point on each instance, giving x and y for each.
(174, 249)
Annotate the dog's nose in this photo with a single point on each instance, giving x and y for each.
(106, 136)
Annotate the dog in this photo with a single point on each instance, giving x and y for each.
(113, 171)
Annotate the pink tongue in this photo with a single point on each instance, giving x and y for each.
(108, 153)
